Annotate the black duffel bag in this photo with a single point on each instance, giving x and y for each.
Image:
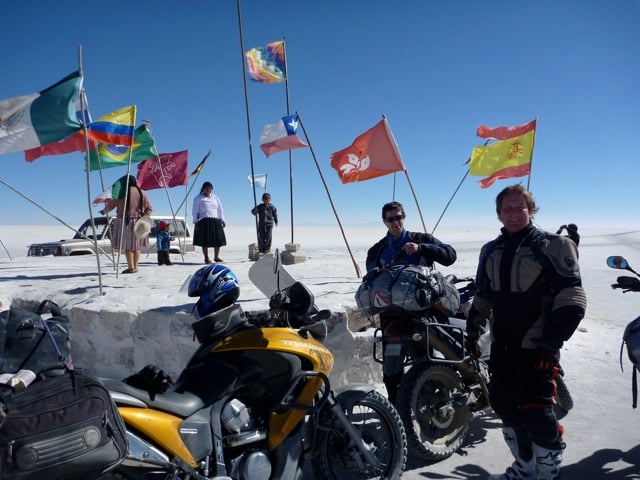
(62, 427)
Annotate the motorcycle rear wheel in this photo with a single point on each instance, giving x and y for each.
(335, 456)
(432, 406)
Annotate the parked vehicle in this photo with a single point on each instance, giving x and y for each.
(82, 242)
(631, 335)
(444, 387)
(254, 402)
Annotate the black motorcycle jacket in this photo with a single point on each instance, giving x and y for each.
(432, 250)
(529, 288)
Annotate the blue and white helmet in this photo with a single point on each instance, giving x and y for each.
(216, 285)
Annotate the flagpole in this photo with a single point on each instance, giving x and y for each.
(455, 192)
(355, 264)
(533, 149)
(197, 174)
(166, 191)
(87, 177)
(126, 195)
(393, 196)
(406, 173)
(246, 106)
(286, 89)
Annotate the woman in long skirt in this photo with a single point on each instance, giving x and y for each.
(208, 217)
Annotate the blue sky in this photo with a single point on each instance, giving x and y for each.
(436, 69)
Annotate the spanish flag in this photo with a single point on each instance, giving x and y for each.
(509, 157)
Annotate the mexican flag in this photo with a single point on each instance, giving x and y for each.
(33, 120)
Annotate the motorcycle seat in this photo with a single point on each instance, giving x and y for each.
(181, 404)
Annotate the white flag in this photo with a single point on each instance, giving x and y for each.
(259, 180)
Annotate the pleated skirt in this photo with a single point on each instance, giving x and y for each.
(209, 233)
(129, 240)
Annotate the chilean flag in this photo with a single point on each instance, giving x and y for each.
(281, 136)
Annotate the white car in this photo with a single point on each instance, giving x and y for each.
(82, 242)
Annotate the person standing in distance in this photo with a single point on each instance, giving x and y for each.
(267, 218)
(163, 241)
(137, 205)
(530, 290)
(400, 246)
(209, 222)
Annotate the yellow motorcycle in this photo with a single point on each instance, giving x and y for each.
(254, 401)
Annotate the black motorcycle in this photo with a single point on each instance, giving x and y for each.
(631, 336)
(443, 386)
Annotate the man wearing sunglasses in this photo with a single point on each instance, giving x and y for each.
(400, 246)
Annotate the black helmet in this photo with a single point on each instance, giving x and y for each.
(216, 285)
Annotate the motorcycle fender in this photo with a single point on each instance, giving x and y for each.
(348, 395)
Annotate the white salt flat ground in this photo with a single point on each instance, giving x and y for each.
(602, 431)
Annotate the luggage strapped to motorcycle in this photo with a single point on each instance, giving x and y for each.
(64, 425)
(23, 345)
(412, 288)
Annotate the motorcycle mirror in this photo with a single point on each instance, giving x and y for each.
(619, 263)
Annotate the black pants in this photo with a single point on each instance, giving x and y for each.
(163, 258)
(264, 237)
(397, 329)
(523, 396)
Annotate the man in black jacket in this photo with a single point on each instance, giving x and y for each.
(529, 288)
(400, 246)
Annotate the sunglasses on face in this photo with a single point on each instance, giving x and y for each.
(397, 218)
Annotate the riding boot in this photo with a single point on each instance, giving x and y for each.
(548, 462)
(524, 467)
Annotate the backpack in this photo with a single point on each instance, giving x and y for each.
(28, 341)
(631, 338)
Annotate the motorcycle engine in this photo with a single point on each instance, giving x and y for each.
(235, 416)
(252, 464)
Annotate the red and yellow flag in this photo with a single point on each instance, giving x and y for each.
(507, 158)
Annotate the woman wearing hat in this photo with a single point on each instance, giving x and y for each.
(133, 236)
(208, 217)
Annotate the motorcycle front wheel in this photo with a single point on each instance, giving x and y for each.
(432, 405)
(335, 456)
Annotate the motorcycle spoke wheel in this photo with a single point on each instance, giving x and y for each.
(431, 403)
(336, 457)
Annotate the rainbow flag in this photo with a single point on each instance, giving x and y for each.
(267, 64)
(115, 128)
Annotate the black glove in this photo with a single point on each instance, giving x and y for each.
(150, 378)
(628, 284)
(547, 359)
(473, 349)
